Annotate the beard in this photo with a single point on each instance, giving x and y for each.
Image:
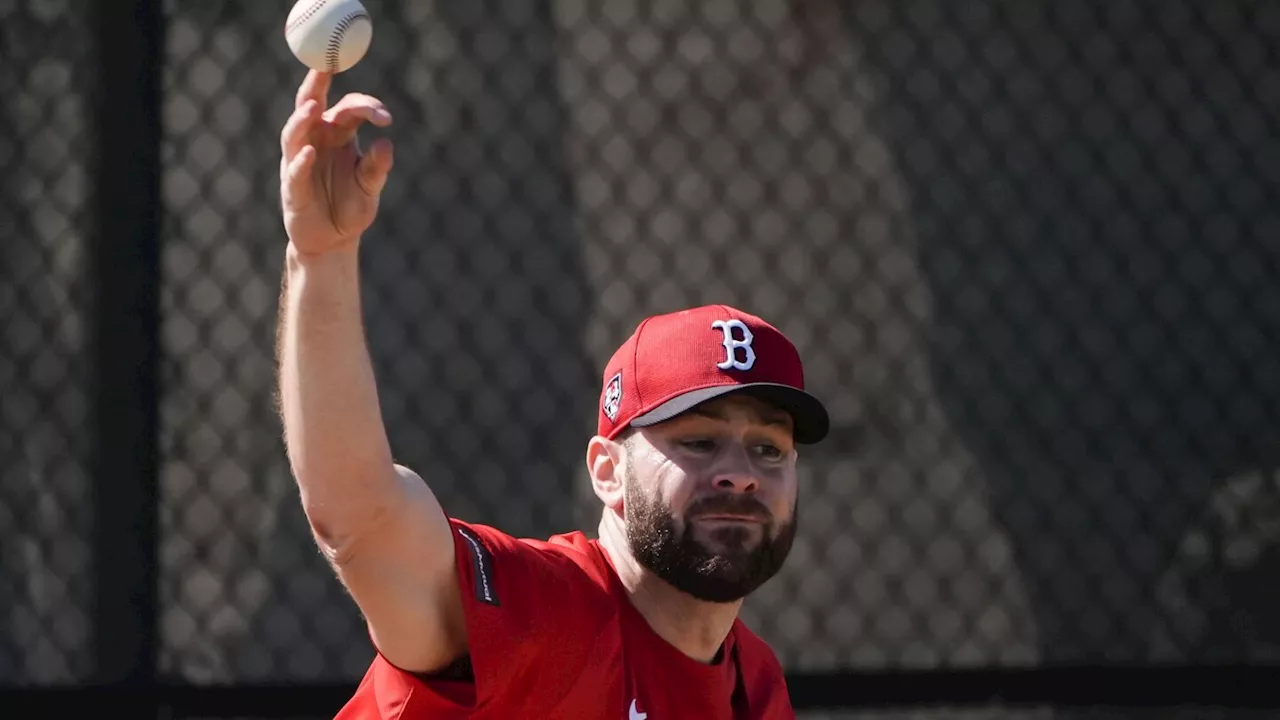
(725, 575)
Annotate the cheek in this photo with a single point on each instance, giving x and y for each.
(658, 478)
(785, 501)
(675, 488)
(676, 494)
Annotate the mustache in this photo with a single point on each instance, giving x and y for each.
(744, 505)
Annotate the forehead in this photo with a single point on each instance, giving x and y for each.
(740, 406)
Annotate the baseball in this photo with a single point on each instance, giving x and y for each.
(328, 35)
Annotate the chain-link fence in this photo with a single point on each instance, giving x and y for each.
(45, 218)
(1030, 252)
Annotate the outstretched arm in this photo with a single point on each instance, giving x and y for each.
(377, 523)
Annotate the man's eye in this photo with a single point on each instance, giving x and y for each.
(769, 452)
(699, 446)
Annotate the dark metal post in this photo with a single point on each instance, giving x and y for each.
(125, 277)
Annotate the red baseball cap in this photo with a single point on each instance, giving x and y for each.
(675, 361)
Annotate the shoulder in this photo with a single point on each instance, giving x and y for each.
(532, 610)
(583, 552)
(500, 567)
(570, 549)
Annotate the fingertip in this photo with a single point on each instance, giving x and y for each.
(383, 153)
(376, 166)
(386, 161)
(315, 86)
(317, 78)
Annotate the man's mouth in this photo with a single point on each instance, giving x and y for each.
(726, 518)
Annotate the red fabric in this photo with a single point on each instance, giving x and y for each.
(669, 355)
(565, 642)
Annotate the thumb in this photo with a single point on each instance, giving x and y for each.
(375, 166)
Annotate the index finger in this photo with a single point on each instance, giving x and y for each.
(315, 86)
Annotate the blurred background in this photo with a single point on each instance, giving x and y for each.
(1030, 252)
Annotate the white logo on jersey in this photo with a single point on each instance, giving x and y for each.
(635, 714)
(613, 397)
(733, 344)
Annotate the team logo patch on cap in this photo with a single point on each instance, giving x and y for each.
(613, 397)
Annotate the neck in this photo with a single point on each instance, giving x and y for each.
(695, 627)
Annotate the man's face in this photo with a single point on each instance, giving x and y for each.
(710, 497)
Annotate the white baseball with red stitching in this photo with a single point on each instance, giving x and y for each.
(329, 35)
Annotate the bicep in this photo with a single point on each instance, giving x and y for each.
(401, 573)
(527, 615)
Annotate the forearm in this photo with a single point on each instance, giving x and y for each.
(337, 445)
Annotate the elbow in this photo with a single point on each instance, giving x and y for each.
(376, 510)
(333, 542)
(337, 525)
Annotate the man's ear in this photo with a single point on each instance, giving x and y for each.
(605, 460)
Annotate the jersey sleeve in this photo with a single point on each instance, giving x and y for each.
(532, 612)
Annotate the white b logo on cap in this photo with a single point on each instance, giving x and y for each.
(733, 344)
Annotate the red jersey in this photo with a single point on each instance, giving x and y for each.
(552, 634)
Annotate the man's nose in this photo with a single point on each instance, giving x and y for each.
(737, 481)
(736, 473)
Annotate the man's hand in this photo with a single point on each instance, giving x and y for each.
(329, 187)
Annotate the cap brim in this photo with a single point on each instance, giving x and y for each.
(810, 418)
